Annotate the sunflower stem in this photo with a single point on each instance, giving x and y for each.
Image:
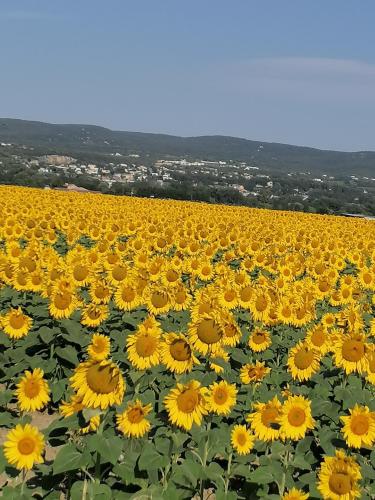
(23, 481)
(204, 458)
(227, 479)
(84, 490)
(97, 467)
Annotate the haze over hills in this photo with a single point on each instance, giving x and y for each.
(273, 156)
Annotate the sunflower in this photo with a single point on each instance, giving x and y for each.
(295, 418)
(158, 300)
(242, 440)
(176, 353)
(260, 304)
(181, 298)
(206, 333)
(264, 421)
(227, 296)
(100, 347)
(32, 391)
(100, 292)
(68, 408)
(319, 338)
(359, 427)
(232, 332)
(253, 373)
(99, 383)
(24, 446)
(221, 397)
(143, 348)
(295, 494)
(62, 304)
(16, 324)
(303, 361)
(94, 314)
(259, 340)
(350, 352)
(186, 404)
(370, 376)
(132, 421)
(338, 477)
(126, 296)
(219, 354)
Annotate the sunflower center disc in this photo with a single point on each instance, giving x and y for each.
(318, 338)
(360, 425)
(180, 350)
(258, 338)
(296, 417)
(353, 350)
(62, 301)
(99, 346)
(188, 401)
(26, 446)
(80, 273)
(135, 415)
(261, 304)
(16, 321)
(208, 331)
(102, 379)
(241, 439)
(229, 296)
(119, 273)
(303, 359)
(100, 292)
(246, 294)
(340, 483)
(32, 388)
(220, 396)
(230, 331)
(159, 300)
(128, 295)
(269, 416)
(146, 345)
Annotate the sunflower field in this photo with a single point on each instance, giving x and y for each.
(156, 349)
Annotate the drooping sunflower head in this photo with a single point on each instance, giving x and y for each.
(264, 421)
(24, 446)
(253, 372)
(32, 391)
(100, 384)
(94, 314)
(133, 422)
(242, 440)
(232, 332)
(99, 348)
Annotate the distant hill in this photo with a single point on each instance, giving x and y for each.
(74, 139)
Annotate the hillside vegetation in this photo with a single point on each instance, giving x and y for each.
(274, 156)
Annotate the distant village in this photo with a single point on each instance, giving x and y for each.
(298, 190)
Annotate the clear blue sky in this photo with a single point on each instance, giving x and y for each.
(293, 71)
